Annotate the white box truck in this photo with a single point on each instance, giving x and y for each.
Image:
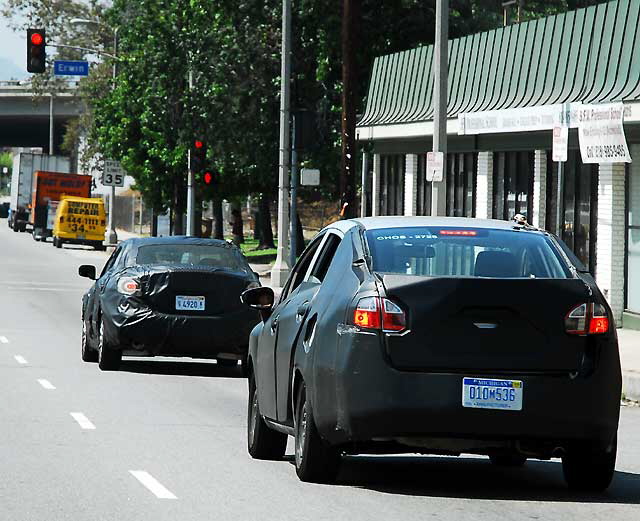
(24, 165)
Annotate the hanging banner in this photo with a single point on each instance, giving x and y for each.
(601, 133)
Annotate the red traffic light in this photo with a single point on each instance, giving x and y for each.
(37, 39)
(208, 177)
(198, 143)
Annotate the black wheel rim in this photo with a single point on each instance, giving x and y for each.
(301, 433)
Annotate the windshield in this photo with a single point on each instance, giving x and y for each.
(468, 252)
(191, 255)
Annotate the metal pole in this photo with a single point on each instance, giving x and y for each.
(560, 200)
(294, 195)
(365, 172)
(281, 268)
(51, 124)
(191, 181)
(440, 77)
(111, 235)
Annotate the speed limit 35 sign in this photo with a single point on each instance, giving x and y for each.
(113, 174)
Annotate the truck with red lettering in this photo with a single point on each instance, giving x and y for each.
(48, 189)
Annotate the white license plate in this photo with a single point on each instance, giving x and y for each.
(184, 303)
(487, 393)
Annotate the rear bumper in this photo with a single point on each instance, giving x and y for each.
(140, 329)
(375, 402)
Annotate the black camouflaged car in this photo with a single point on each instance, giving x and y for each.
(436, 335)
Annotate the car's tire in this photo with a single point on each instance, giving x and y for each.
(316, 461)
(88, 354)
(108, 358)
(589, 467)
(508, 459)
(262, 442)
(224, 362)
(59, 243)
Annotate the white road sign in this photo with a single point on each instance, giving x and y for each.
(601, 134)
(560, 144)
(435, 166)
(309, 177)
(113, 174)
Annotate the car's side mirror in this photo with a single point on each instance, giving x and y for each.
(88, 271)
(261, 298)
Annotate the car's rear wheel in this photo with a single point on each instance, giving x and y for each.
(589, 466)
(57, 242)
(316, 460)
(262, 442)
(108, 358)
(88, 354)
(508, 459)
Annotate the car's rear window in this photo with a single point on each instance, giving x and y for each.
(465, 252)
(190, 255)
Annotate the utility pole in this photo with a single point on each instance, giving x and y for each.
(350, 19)
(111, 234)
(293, 214)
(191, 181)
(51, 123)
(440, 77)
(281, 268)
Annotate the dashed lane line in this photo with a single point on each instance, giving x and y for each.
(82, 420)
(152, 484)
(21, 359)
(46, 384)
(4, 340)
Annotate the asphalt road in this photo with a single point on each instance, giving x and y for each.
(165, 440)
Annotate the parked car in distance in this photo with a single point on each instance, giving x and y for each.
(173, 296)
(436, 335)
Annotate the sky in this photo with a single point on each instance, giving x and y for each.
(13, 50)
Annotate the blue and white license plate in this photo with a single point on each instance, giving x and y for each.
(184, 303)
(487, 393)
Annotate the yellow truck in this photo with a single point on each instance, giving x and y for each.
(79, 220)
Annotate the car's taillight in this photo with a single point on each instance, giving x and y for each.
(379, 313)
(587, 319)
(128, 285)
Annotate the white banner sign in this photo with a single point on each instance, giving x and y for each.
(435, 166)
(560, 144)
(601, 134)
(526, 119)
(309, 177)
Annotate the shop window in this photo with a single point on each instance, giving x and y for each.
(392, 169)
(461, 185)
(579, 206)
(513, 184)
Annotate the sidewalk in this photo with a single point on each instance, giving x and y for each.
(629, 341)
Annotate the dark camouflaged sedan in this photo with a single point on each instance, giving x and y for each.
(174, 296)
(436, 335)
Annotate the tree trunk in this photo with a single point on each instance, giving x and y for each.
(218, 230)
(266, 233)
(350, 21)
(154, 224)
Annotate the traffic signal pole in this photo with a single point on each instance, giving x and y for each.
(281, 268)
(191, 181)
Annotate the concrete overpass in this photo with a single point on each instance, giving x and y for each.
(24, 117)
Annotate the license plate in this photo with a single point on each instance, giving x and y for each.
(184, 303)
(486, 393)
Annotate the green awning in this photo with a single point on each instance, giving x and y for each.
(590, 55)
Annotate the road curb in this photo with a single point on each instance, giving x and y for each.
(631, 385)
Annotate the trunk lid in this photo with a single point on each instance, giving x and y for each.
(486, 325)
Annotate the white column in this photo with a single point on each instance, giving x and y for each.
(375, 186)
(484, 186)
(611, 236)
(539, 190)
(410, 184)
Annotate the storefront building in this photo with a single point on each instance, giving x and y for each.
(521, 74)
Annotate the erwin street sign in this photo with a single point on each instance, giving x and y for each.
(70, 68)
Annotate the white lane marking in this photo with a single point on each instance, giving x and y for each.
(156, 488)
(82, 420)
(21, 359)
(45, 383)
(4, 340)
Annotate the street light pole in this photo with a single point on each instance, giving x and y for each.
(191, 181)
(281, 268)
(440, 77)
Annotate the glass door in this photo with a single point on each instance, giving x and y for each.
(633, 237)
